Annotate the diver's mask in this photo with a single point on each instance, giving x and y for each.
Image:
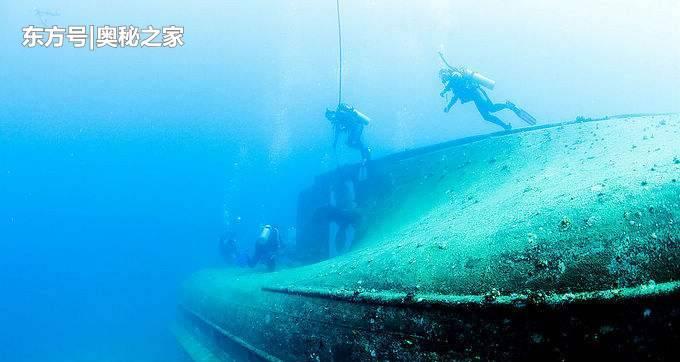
(445, 75)
(342, 107)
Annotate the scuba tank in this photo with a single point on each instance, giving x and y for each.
(480, 79)
(266, 232)
(362, 117)
(345, 109)
(483, 81)
(477, 77)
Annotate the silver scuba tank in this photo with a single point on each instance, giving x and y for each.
(480, 79)
(483, 81)
(362, 117)
(266, 232)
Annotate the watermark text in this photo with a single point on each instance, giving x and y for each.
(94, 37)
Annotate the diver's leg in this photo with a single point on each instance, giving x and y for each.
(495, 107)
(256, 257)
(493, 119)
(354, 138)
(490, 106)
(271, 263)
(482, 98)
(354, 141)
(522, 114)
(340, 238)
(365, 152)
(483, 108)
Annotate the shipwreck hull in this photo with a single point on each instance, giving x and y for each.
(637, 324)
(559, 242)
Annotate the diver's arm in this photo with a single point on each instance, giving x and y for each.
(451, 103)
(446, 89)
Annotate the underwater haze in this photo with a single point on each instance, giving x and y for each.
(121, 168)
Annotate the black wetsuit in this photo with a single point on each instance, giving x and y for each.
(266, 249)
(342, 217)
(344, 119)
(467, 90)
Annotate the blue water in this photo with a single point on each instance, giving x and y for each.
(119, 168)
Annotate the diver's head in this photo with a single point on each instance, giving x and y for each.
(343, 107)
(445, 75)
(330, 115)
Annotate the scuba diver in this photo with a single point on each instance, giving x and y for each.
(466, 86)
(347, 119)
(342, 210)
(344, 218)
(266, 247)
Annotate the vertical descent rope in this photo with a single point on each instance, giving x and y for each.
(337, 4)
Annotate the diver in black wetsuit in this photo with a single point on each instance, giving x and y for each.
(465, 89)
(347, 119)
(466, 86)
(266, 247)
(342, 217)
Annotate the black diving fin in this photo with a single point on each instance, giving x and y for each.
(524, 115)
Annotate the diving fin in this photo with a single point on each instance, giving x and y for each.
(524, 115)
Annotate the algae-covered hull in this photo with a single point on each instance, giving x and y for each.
(557, 242)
